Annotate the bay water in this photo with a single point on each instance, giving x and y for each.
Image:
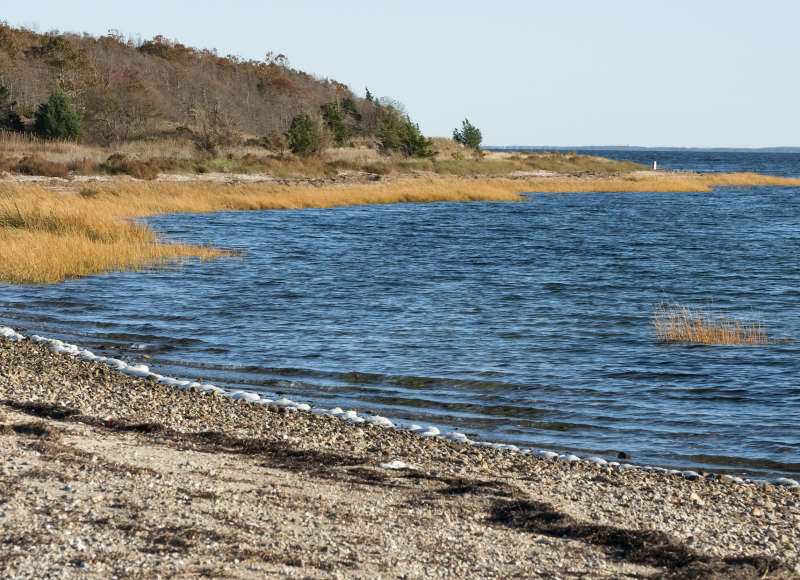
(527, 323)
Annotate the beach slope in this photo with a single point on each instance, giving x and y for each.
(103, 474)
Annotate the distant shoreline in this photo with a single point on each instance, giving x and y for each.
(640, 149)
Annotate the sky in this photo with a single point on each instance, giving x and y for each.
(700, 73)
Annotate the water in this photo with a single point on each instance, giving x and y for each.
(526, 323)
(765, 162)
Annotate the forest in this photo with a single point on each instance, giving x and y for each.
(107, 90)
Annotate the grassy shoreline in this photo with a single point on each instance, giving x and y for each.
(48, 235)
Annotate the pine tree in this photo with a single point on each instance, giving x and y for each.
(56, 119)
(469, 136)
(303, 135)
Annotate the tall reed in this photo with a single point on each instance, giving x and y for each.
(47, 236)
(676, 323)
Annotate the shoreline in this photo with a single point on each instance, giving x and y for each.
(718, 527)
(52, 231)
(143, 371)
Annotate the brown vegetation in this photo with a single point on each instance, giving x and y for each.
(675, 323)
(35, 165)
(48, 236)
(128, 90)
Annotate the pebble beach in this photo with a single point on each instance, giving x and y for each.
(104, 474)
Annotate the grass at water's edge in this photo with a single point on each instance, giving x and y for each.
(48, 236)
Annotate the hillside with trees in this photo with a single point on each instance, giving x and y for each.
(117, 90)
(78, 104)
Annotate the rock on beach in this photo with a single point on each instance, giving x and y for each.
(105, 474)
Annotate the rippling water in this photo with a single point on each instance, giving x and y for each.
(527, 322)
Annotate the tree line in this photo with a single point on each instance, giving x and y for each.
(110, 89)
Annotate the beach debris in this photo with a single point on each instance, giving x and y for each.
(395, 464)
(786, 482)
(431, 432)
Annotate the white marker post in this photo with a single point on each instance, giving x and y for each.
(655, 165)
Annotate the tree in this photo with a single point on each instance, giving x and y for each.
(398, 133)
(9, 118)
(121, 108)
(341, 117)
(469, 136)
(334, 118)
(214, 128)
(304, 135)
(56, 119)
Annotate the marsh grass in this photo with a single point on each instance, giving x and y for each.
(676, 323)
(47, 236)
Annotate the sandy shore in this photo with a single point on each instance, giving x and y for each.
(103, 475)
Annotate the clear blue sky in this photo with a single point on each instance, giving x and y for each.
(583, 72)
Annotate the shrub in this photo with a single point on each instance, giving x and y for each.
(274, 141)
(84, 166)
(304, 135)
(35, 165)
(398, 134)
(9, 119)
(378, 168)
(119, 163)
(342, 118)
(216, 129)
(56, 119)
(469, 136)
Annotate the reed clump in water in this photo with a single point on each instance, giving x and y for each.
(676, 323)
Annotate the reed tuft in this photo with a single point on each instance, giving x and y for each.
(676, 323)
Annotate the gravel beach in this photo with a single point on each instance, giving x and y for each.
(107, 475)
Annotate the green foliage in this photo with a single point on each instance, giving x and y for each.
(400, 134)
(469, 136)
(333, 116)
(9, 119)
(348, 107)
(57, 51)
(56, 119)
(341, 118)
(304, 136)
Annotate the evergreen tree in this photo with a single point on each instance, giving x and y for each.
(400, 134)
(303, 135)
(9, 119)
(469, 136)
(56, 119)
(334, 118)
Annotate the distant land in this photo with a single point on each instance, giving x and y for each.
(637, 148)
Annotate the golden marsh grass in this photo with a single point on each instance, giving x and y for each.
(47, 236)
(675, 323)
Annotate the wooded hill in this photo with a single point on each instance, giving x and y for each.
(124, 90)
